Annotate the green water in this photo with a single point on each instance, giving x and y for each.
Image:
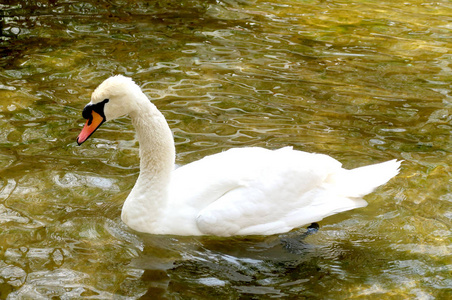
(362, 81)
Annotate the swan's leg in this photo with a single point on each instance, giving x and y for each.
(295, 244)
(313, 228)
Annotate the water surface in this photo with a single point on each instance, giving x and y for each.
(361, 81)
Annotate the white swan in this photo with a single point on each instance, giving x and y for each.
(243, 191)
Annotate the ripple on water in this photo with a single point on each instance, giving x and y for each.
(364, 82)
(71, 180)
(62, 283)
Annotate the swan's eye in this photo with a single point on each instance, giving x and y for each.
(98, 107)
(87, 111)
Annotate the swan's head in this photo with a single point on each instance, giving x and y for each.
(115, 97)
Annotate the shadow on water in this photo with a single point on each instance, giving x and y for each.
(236, 267)
(206, 266)
(46, 26)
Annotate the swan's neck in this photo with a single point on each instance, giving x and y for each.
(146, 202)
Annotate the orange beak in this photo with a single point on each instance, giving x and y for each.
(90, 126)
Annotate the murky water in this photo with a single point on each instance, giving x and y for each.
(359, 80)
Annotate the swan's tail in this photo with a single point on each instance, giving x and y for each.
(361, 181)
(344, 191)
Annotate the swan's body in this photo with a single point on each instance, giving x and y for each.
(244, 191)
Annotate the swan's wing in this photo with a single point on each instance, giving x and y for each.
(261, 210)
(259, 191)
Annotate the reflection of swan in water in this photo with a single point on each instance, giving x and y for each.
(246, 191)
(214, 265)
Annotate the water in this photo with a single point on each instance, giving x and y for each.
(361, 81)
